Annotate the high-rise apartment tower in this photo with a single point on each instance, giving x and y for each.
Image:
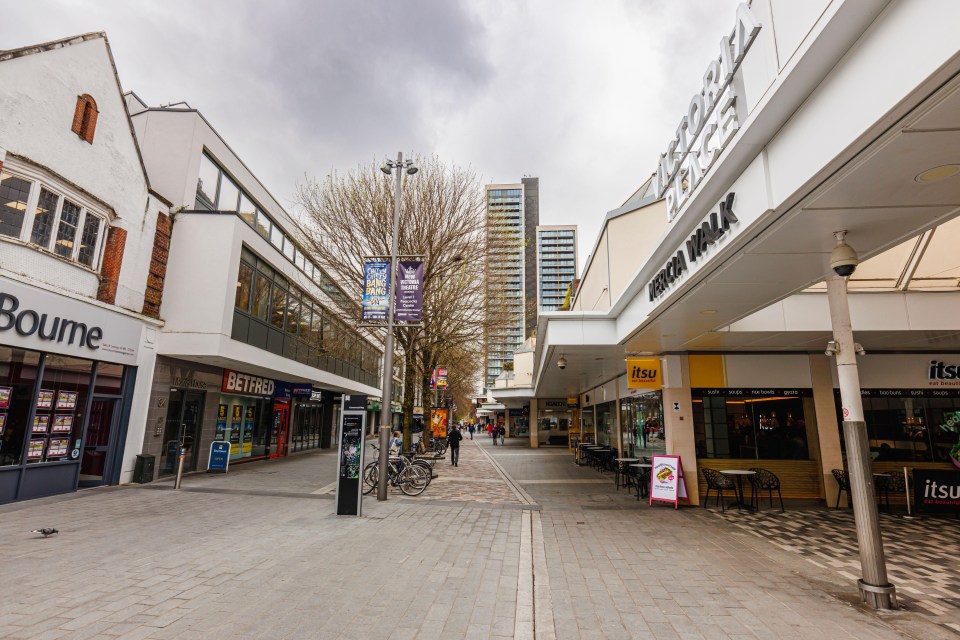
(556, 264)
(513, 213)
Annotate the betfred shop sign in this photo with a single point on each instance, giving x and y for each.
(245, 384)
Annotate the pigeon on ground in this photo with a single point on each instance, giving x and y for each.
(46, 531)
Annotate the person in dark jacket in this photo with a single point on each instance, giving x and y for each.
(453, 439)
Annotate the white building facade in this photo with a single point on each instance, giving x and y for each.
(77, 224)
(258, 343)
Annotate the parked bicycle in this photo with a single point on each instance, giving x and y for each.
(411, 478)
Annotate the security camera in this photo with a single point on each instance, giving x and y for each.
(843, 259)
(833, 348)
(562, 363)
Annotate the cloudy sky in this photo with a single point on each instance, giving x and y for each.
(584, 95)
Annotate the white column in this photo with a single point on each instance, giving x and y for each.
(874, 586)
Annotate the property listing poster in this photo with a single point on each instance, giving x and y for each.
(45, 399)
(35, 450)
(62, 423)
(41, 424)
(5, 393)
(235, 420)
(67, 400)
(58, 448)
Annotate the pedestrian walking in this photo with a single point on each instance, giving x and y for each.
(453, 439)
(503, 433)
(492, 430)
(471, 430)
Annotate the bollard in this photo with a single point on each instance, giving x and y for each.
(183, 456)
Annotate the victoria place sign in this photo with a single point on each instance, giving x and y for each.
(710, 122)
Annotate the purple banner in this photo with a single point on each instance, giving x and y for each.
(409, 307)
(376, 284)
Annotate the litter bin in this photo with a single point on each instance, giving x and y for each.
(143, 471)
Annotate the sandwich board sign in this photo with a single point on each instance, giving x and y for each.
(219, 456)
(667, 483)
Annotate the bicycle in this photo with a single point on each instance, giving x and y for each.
(410, 457)
(410, 478)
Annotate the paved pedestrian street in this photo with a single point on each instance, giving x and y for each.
(513, 543)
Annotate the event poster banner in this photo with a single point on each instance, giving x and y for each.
(438, 423)
(221, 433)
(409, 298)
(376, 288)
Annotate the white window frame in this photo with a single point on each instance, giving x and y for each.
(38, 180)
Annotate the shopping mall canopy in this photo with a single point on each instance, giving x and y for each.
(850, 147)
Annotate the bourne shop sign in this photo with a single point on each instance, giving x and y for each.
(32, 318)
(710, 122)
(707, 234)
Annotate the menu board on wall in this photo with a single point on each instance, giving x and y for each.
(3, 422)
(235, 420)
(62, 423)
(248, 430)
(35, 450)
(58, 448)
(41, 424)
(221, 433)
(5, 393)
(67, 400)
(45, 399)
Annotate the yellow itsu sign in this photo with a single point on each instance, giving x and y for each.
(644, 373)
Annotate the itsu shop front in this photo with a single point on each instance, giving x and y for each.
(67, 376)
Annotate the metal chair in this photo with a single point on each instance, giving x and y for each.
(765, 480)
(719, 482)
(843, 482)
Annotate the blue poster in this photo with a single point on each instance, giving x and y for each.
(376, 289)
(219, 456)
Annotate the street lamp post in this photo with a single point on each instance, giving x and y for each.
(397, 166)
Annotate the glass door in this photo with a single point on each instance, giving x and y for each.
(97, 452)
(184, 418)
(281, 427)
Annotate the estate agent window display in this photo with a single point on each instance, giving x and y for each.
(58, 406)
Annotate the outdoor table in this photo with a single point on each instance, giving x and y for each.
(739, 474)
(641, 486)
(581, 453)
(590, 450)
(599, 459)
(616, 477)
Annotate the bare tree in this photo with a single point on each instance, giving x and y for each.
(349, 216)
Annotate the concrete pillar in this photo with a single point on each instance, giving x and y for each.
(828, 431)
(534, 425)
(678, 420)
(616, 419)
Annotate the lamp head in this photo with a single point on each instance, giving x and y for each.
(412, 169)
(386, 168)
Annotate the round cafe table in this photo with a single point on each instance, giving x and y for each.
(739, 475)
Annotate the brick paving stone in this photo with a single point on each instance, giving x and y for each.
(258, 553)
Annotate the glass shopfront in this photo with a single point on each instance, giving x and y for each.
(641, 425)
(606, 424)
(759, 424)
(51, 423)
(588, 432)
(911, 425)
(307, 426)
